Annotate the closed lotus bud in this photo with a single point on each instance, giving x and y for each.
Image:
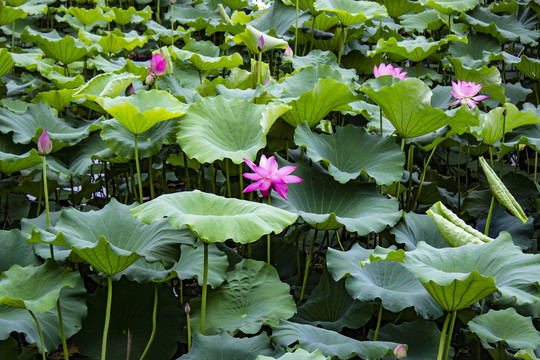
(265, 81)
(260, 43)
(187, 309)
(44, 144)
(400, 351)
(130, 90)
(288, 51)
(149, 79)
(173, 2)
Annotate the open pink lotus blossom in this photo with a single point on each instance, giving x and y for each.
(465, 93)
(157, 68)
(384, 69)
(267, 176)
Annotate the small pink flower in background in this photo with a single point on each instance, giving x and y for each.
(465, 93)
(400, 351)
(384, 69)
(267, 176)
(44, 144)
(288, 51)
(265, 81)
(260, 43)
(158, 65)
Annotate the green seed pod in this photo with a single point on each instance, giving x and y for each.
(501, 193)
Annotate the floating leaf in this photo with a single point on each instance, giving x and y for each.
(351, 12)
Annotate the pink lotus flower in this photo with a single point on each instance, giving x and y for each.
(267, 176)
(388, 70)
(465, 93)
(157, 65)
(400, 351)
(44, 144)
(260, 43)
(288, 51)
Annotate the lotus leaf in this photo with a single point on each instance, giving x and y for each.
(131, 15)
(278, 19)
(397, 8)
(351, 12)
(6, 61)
(298, 354)
(85, 16)
(10, 14)
(190, 265)
(528, 135)
(58, 99)
(426, 20)
(495, 125)
(416, 50)
(103, 85)
(251, 36)
(449, 7)
(16, 157)
(16, 250)
(415, 228)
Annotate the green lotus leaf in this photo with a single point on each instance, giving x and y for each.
(214, 218)
(131, 15)
(455, 231)
(251, 297)
(527, 354)
(62, 81)
(40, 236)
(158, 32)
(495, 123)
(6, 61)
(196, 18)
(416, 50)
(58, 99)
(298, 354)
(326, 205)
(16, 157)
(224, 346)
(235, 4)
(29, 126)
(120, 140)
(217, 128)
(381, 158)
(30, 61)
(144, 109)
(17, 286)
(330, 306)
(397, 8)
(314, 57)
(15, 251)
(251, 36)
(313, 105)
(116, 41)
(429, 20)
(111, 240)
(414, 228)
(103, 85)
(191, 261)
(518, 331)
(472, 53)
(407, 105)
(421, 336)
(528, 135)
(10, 14)
(131, 322)
(73, 302)
(449, 7)
(351, 12)
(460, 276)
(9, 348)
(529, 66)
(86, 16)
(330, 343)
(502, 27)
(63, 49)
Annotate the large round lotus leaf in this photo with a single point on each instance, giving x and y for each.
(417, 49)
(58, 99)
(131, 322)
(65, 49)
(527, 354)
(73, 302)
(6, 61)
(330, 306)
(529, 66)
(207, 63)
(141, 111)
(103, 85)
(518, 331)
(120, 140)
(414, 228)
(29, 126)
(15, 250)
(224, 346)
(421, 336)
(110, 239)
(10, 14)
(330, 343)
(217, 128)
(528, 135)
(298, 354)
(252, 296)
(144, 272)
(250, 38)
(450, 6)
(313, 105)
(18, 286)
(457, 277)
(351, 12)
(407, 105)
(16, 157)
(381, 157)
(492, 126)
(191, 263)
(214, 218)
(327, 205)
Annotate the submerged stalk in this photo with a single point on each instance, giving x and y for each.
(107, 318)
(154, 323)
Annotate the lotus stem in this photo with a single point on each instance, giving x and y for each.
(157, 12)
(268, 242)
(450, 331)
(242, 182)
(410, 160)
(62, 333)
(204, 287)
(151, 178)
(490, 212)
(213, 175)
(308, 263)
(44, 357)
(423, 176)
(229, 193)
(186, 171)
(201, 178)
(154, 323)
(138, 171)
(46, 193)
(13, 38)
(260, 79)
(296, 31)
(459, 177)
(535, 165)
(379, 320)
(443, 337)
(188, 323)
(380, 120)
(344, 38)
(339, 241)
(107, 318)
(172, 24)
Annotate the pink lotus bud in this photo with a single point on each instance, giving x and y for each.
(265, 81)
(157, 65)
(44, 144)
(130, 90)
(400, 351)
(288, 51)
(173, 2)
(187, 309)
(149, 79)
(260, 43)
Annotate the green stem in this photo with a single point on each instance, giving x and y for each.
(62, 333)
(107, 318)
(151, 178)
(138, 170)
(308, 263)
(296, 31)
(157, 17)
(186, 170)
(172, 25)
(204, 287)
(490, 212)
(535, 166)
(154, 323)
(46, 193)
(268, 243)
(423, 177)
(380, 119)
(13, 39)
(242, 183)
(449, 338)
(229, 194)
(213, 175)
(343, 39)
(339, 241)
(40, 335)
(260, 80)
(459, 177)
(379, 320)
(410, 159)
(188, 331)
(443, 337)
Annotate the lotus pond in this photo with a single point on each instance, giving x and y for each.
(258, 180)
